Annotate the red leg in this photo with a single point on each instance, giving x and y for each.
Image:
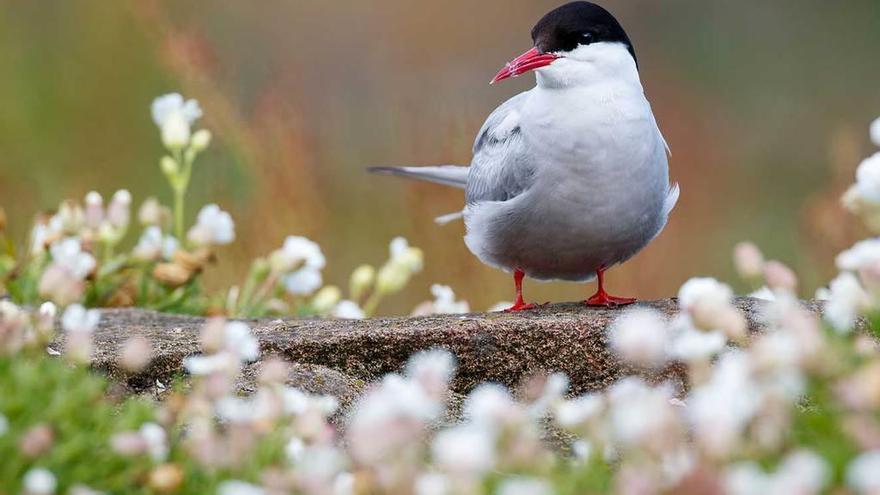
(519, 305)
(602, 299)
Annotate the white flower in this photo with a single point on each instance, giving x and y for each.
(432, 484)
(577, 412)
(432, 369)
(863, 254)
(4, 425)
(690, 344)
(802, 472)
(721, 409)
(77, 319)
(867, 185)
(444, 301)
(214, 227)
(201, 139)
(749, 260)
(297, 251)
(241, 342)
(156, 440)
(39, 237)
(344, 484)
(875, 132)
(174, 116)
(764, 293)
(639, 336)
(863, 473)
(94, 211)
(68, 254)
(464, 449)
(554, 389)
(295, 449)
(153, 245)
(235, 487)
(746, 478)
(846, 299)
(348, 310)
(525, 486)
(303, 281)
(704, 291)
(629, 399)
(39, 481)
(389, 417)
(707, 302)
(119, 211)
(208, 365)
(401, 252)
(490, 405)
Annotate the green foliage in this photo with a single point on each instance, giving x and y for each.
(72, 402)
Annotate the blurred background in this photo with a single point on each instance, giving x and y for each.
(764, 103)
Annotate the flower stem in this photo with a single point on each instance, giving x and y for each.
(179, 199)
(372, 303)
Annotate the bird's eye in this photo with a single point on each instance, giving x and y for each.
(587, 38)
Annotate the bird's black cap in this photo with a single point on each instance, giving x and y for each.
(578, 23)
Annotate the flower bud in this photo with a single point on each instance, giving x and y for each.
(107, 233)
(748, 260)
(136, 354)
(875, 132)
(128, 443)
(392, 278)
(780, 276)
(274, 371)
(412, 259)
(39, 481)
(362, 279)
(36, 441)
(151, 213)
(213, 335)
(200, 140)
(94, 210)
(169, 166)
(71, 217)
(119, 211)
(326, 299)
(175, 131)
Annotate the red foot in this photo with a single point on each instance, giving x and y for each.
(601, 299)
(519, 305)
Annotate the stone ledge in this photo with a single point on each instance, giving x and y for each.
(342, 356)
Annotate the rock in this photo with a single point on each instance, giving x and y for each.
(341, 357)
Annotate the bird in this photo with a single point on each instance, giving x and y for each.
(571, 177)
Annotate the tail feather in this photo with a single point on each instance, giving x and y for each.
(671, 199)
(447, 175)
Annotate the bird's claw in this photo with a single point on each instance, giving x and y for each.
(602, 300)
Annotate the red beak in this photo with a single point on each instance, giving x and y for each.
(530, 60)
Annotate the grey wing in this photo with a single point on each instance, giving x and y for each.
(501, 168)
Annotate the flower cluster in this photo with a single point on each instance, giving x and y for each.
(794, 408)
(76, 253)
(289, 280)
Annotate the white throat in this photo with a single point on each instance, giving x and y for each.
(590, 64)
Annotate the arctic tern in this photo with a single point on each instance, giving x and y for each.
(571, 177)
